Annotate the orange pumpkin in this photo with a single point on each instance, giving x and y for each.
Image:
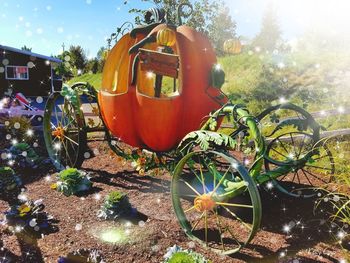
(232, 46)
(134, 115)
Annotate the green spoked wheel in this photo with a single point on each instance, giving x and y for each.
(312, 164)
(287, 117)
(64, 132)
(215, 200)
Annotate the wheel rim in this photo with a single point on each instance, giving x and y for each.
(314, 164)
(63, 132)
(221, 224)
(274, 116)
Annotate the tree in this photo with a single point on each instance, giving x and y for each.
(221, 28)
(25, 48)
(65, 68)
(93, 66)
(269, 36)
(77, 57)
(208, 17)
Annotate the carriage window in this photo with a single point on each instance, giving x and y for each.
(17, 72)
(158, 73)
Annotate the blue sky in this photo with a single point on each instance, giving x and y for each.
(45, 24)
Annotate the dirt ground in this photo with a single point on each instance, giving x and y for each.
(146, 238)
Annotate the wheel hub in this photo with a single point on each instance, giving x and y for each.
(204, 202)
(58, 132)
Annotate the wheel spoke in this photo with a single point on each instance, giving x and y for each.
(206, 227)
(301, 147)
(292, 140)
(190, 209)
(307, 178)
(220, 182)
(279, 153)
(190, 186)
(198, 178)
(67, 154)
(220, 230)
(196, 224)
(238, 218)
(202, 176)
(234, 205)
(283, 146)
(71, 140)
(315, 176)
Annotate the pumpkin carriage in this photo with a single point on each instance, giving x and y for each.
(161, 92)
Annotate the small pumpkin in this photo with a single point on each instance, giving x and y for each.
(166, 37)
(233, 46)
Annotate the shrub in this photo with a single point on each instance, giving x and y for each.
(176, 254)
(9, 182)
(72, 181)
(25, 156)
(116, 204)
(17, 127)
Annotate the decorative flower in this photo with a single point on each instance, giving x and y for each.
(142, 172)
(23, 210)
(53, 186)
(95, 110)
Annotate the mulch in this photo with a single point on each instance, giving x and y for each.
(147, 237)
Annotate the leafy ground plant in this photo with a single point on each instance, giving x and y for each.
(72, 181)
(29, 218)
(116, 205)
(176, 254)
(10, 183)
(25, 156)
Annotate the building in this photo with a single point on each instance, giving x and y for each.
(28, 73)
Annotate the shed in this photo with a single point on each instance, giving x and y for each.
(28, 73)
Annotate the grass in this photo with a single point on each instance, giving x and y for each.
(94, 79)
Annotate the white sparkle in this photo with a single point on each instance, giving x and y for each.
(57, 146)
(29, 132)
(150, 74)
(286, 228)
(282, 100)
(269, 185)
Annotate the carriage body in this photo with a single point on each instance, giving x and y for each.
(129, 106)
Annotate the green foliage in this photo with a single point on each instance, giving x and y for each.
(25, 156)
(205, 140)
(25, 48)
(208, 17)
(176, 254)
(92, 66)
(72, 181)
(77, 57)
(94, 79)
(18, 127)
(9, 181)
(116, 204)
